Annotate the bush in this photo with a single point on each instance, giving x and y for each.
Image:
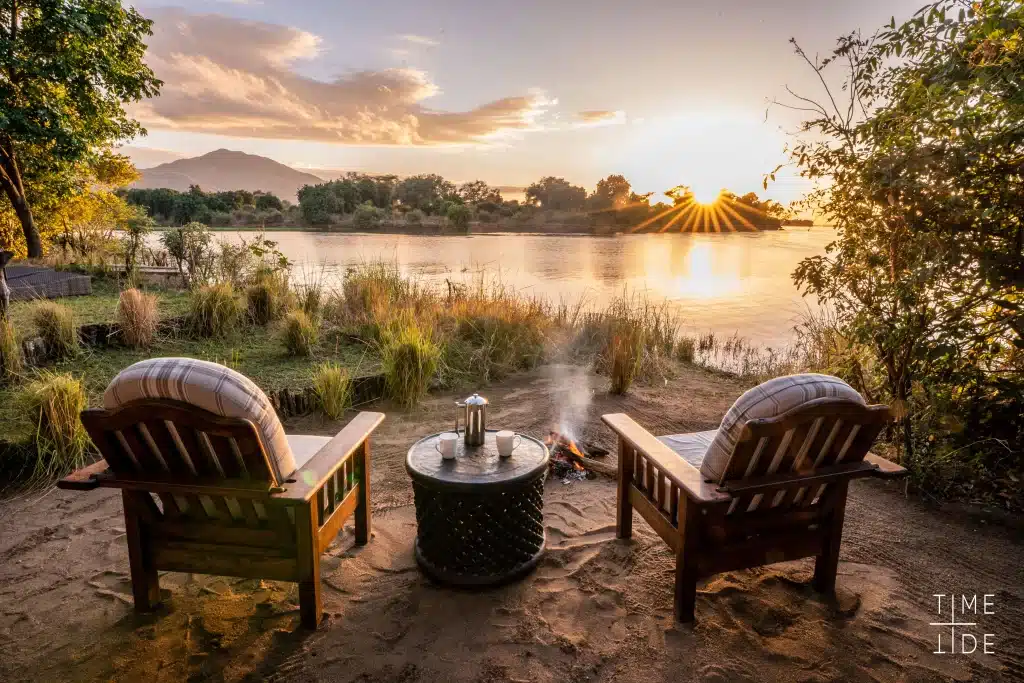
(56, 325)
(367, 216)
(137, 317)
(459, 216)
(10, 352)
(51, 404)
(414, 217)
(191, 247)
(333, 387)
(410, 357)
(213, 310)
(301, 333)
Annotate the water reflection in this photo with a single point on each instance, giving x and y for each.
(727, 283)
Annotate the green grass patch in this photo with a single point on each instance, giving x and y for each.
(100, 306)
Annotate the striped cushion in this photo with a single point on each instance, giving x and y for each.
(773, 398)
(209, 386)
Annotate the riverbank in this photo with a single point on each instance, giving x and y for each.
(596, 609)
(403, 228)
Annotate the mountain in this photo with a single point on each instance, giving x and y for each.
(228, 170)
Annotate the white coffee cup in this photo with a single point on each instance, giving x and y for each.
(446, 445)
(507, 442)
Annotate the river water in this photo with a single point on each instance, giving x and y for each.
(725, 283)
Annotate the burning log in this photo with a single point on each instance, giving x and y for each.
(567, 456)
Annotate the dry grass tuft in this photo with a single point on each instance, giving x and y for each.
(11, 362)
(55, 323)
(301, 333)
(51, 404)
(410, 356)
(138, 318)
(333, 386)
(214, 310)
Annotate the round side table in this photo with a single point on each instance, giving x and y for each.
(479, 517)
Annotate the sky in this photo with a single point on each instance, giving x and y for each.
(665, 92)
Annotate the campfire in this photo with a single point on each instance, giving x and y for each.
(575, 460)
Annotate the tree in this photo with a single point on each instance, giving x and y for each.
(557, 194)
(920, 168)
(425, 192)
(459, 216)
(611, 193)
(66, 69)
(477, 192)
(266, 201)
(317, 203)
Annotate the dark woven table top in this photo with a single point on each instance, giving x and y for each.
(475, 467)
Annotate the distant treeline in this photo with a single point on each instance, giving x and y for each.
(232, 207)
(429, 201)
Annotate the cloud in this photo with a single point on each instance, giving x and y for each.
(419, 40)
(599, 117)
(235, 77)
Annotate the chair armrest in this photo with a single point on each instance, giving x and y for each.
(315, 473)
(85, 478)
(885, 469)
(681, 473)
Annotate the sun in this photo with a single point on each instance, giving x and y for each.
(706, 195)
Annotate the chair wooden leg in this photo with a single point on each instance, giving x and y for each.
(687, 561)
(145, 579)
(310, 604)
(624, 509)
(362, 515)
(826, 565)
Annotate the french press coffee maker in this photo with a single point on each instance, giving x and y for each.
(476, 419)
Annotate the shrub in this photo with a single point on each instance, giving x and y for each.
(333, 387)
(410, 357)
(136, 228)
(414, 217)
(137, 317)
(10, 352)
(56, 325)
(213, 310)
(301, 333)
(191, 247)
(366, 216)
(459, 216)
(52, 404)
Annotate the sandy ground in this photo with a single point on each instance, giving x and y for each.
(596, 609)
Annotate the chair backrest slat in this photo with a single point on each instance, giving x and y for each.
(818, 435)
(168, 441)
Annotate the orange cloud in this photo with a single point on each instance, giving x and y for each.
(600, 117)
(236, 77)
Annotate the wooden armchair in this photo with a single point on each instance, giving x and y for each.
(782, 497)
(200, 495)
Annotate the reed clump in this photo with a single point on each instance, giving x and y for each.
(332, 384)
(409, 356)
(301, 333)
(11, 362)
(268, 297)
(55, 324)
(137, 318)
(51, 405)
(214, 310)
